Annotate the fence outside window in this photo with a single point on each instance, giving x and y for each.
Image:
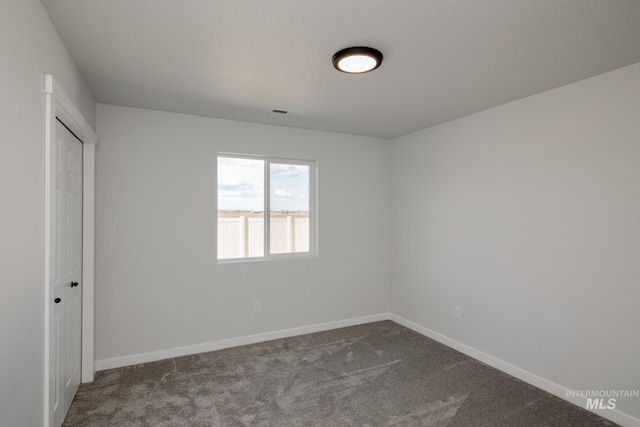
(242, 235)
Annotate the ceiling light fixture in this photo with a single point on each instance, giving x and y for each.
(357, 60)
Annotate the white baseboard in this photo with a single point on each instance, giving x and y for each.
(542, 383)
(153, 356)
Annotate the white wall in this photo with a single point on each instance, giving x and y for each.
(527, 216)
(29, 47)
(157, 282)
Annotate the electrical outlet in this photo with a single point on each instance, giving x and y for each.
(457, 313)
(257, 306)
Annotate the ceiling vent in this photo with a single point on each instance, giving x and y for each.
(288, 113)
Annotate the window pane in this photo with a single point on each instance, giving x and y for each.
(240, 207)
(289, 208)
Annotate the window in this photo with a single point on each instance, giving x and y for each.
(254, 191)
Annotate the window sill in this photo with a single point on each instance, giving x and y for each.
(282, 257)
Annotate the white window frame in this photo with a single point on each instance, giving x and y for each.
(313, 210)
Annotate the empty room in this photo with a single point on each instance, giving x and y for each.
(320, 213)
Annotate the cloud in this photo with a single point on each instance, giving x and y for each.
(283, 194)
(240, 183)
(289, 170)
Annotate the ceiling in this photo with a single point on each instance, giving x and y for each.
(239, 59)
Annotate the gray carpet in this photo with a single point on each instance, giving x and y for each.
(378, 374)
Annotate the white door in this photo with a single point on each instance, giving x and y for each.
(65, 321)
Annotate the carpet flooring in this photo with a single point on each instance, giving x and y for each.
(378, 374)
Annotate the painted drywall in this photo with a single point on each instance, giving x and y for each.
(29, 48)
(527, 216)
(158, 285)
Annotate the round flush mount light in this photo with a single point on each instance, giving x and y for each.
(357, 60)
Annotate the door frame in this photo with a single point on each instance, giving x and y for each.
(58, 104)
